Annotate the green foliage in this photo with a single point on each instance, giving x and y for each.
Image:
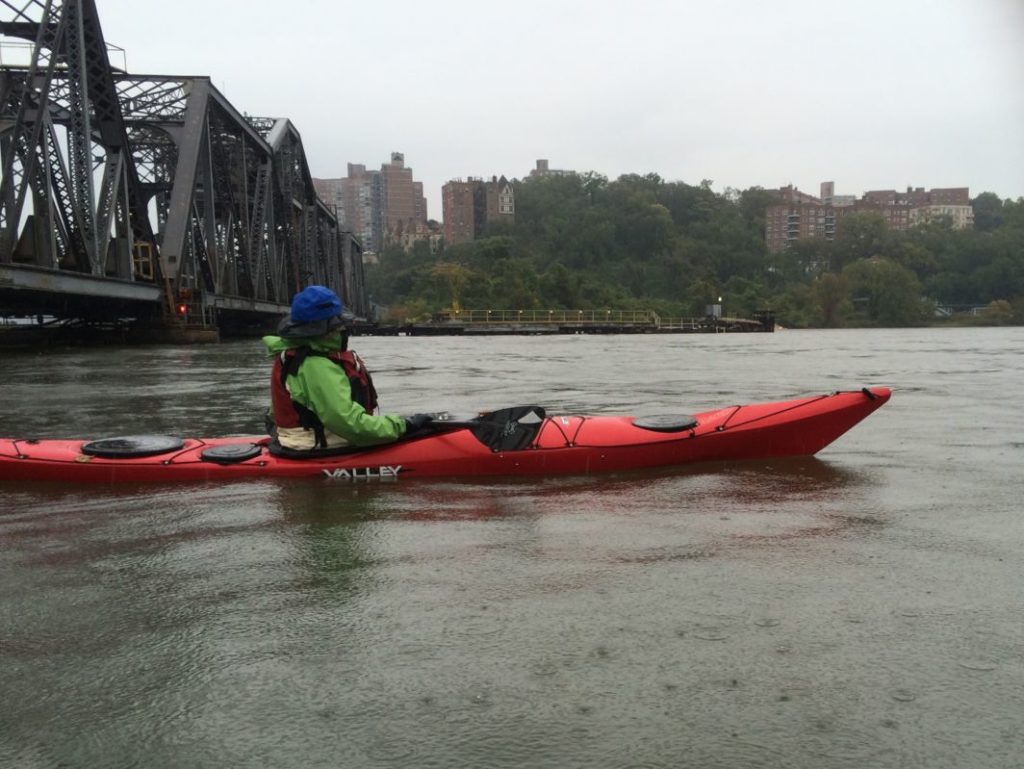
(988, 212)
(795, 307)
(859, 236)
(580, 241)
(999, 313)
(884, 293)
(832, 297)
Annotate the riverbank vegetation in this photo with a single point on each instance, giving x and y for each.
(581, 241)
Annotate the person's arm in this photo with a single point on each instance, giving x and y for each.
(329, 394)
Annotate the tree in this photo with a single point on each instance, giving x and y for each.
(999, 313)
(859, 236)
(988, 212)
(643, 230)
(743, 297)
(885, 293)
(560, 287)
(808, 258)
(753, 203)
(795, 307)
(1013, 214)
(453, 277)
(832, 293)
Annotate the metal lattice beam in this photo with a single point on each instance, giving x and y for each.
(152, 178)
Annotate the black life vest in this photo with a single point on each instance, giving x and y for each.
(290, 413)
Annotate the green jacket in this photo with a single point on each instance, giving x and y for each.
(321, 386)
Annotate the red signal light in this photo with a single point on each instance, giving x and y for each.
(182, 309)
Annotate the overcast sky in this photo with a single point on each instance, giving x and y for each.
(872, 94)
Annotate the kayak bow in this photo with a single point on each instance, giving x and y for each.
(540, 445)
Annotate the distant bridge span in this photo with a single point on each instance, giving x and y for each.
(151, 197)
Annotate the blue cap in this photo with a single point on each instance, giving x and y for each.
(315, 303)
(316, 310)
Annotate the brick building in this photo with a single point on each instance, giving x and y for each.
(800, 215)
(403, 207)
(469, 206)
(379, 207)
(357, 200)
(458, 210)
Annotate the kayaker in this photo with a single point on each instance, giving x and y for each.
(322, 395)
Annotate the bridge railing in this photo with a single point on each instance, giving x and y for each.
(554, 317)
(636, 319)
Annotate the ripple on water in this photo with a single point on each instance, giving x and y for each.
(575, 622)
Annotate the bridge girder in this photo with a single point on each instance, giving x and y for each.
(154, 179)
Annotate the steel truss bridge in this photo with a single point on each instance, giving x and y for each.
(149, 196)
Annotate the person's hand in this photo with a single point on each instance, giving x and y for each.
(417, 422)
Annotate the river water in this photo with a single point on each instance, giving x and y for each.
(859, 609)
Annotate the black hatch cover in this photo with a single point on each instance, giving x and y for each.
(229, 453)
(666, 423)
(128, 446)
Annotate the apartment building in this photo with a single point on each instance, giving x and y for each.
(543, 168)
(403, 206)
(355, 199)
(800, 215)
(379, 207)
(961, 216)
(469, 206)
(458, 210)
(925, 206)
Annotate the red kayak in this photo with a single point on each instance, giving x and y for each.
(515, 441)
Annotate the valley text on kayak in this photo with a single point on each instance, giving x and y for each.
(381, 473)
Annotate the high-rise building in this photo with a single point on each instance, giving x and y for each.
(378, 206)
(469, 206)
(403, 207)
(457, 210)
(330, 192)
(360, 210)
(355, 199)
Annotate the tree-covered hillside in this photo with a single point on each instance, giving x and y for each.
(583, 242)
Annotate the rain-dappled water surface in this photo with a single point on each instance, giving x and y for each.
(860, 609)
